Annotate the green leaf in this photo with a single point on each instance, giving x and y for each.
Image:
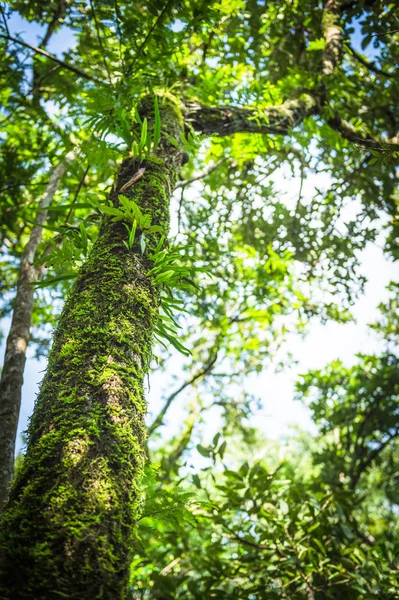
(157, 123)
(51, 280)
(143, 137)
(196, 480)
(110, 210)
(83, 235)
(222, 449)
(203, 451)
(155, 229)
(163, 276)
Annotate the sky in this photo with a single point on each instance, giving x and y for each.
(323, 343)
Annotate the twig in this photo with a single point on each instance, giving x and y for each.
(118, 29)
(385, 33)
(205, 371)
(100, 42)
(42, 52)
(201, 175)
(76, 196)
(4, 20)
(158, 20)
(180, 208)
(373, 455)
(169, 567)
(368, 64)
(53, 24)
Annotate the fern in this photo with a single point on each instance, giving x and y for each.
(169, 273)
(130, 213)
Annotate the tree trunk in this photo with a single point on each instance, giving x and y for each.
(18, 337)
(67, 530)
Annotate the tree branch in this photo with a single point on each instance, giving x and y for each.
(372, 456)
(201, 175)
(103, 53)
(332, 33)
(368, 64)
(204, 371)
(4, 20)
(18, 337)
(185, 437)
(226, 120)
(58, 14)
(63, 64)
(147, 37)
(350, 133)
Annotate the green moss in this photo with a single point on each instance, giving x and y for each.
(67, 530)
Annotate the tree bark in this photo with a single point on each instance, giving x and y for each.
(17, 341)
(67, 529)
(227, 120)
(332, 32)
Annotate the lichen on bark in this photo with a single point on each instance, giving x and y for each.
(67, 530)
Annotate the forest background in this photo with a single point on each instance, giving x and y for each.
(283, 225)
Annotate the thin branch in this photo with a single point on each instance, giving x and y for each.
(147, 37)
(202, 174)
(6, 188)
(184, 438)
(59, 237)
(42, 52)
(345, 6)
(238, 538)
(385, 33)
(372, 456)
(119, 32)
(202, 373)
(350, 133)
(180, 208)
(59, 13)
(4, 20)
(166, 570)
(76, 196)
(367, 539)
(103, 54)
(368, 64)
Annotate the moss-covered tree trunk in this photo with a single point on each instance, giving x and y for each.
(67, 529)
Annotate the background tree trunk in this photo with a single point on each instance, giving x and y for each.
(18, 338)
